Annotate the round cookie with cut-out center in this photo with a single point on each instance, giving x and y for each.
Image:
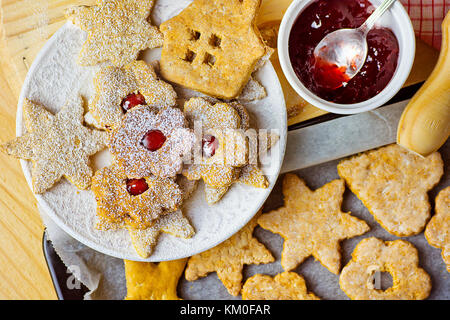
(400, 258)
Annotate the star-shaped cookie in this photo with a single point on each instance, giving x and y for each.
(438, 229)
(58, 145)
(153, 281)
(144, 241)
(116, 30)
(312, 223)
(175, 224)
(284, 286)
(229, 257)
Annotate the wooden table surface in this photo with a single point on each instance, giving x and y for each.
(23, 270)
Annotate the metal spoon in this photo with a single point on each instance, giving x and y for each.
(346, 49)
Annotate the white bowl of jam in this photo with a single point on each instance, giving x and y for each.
(390, 56)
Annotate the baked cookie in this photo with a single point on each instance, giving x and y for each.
(212, 165)
(144, 240)
(399, 258)
(153, 281)
(174, 223)
(284, 286)
(137, 203)
(215, 167)
(229, 257)
(58, 145)
(117, 90)
(152, 141)
(117, 30)
(393, 184)
(437, 231)
(212, 46)
(249, 174)
(312, 223)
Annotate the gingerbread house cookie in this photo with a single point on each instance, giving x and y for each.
(213, 46)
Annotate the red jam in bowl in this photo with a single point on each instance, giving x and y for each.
(324, 16)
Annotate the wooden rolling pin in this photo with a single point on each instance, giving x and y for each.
(425, 124)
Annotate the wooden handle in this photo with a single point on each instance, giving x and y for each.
(425, 124)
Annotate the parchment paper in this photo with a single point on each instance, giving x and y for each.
(316, 149)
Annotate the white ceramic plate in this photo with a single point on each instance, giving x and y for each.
(55, 76)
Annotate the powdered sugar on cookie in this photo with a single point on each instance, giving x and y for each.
(152, 142)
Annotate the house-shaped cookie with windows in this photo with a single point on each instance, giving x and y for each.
(212, 46)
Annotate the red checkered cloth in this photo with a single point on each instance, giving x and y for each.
(426, 17)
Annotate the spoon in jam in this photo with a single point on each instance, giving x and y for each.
(341, 54)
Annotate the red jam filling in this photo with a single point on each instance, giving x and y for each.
(153, 140)
(136, 187)
(324, 16)
(209, 146)
(132, 100)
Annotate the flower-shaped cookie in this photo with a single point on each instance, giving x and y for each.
(173, 223)
(58, 145)
(224, 147)
(399, 258)
(135, 202)
(119, 89)
(116, 30)
(152, 142)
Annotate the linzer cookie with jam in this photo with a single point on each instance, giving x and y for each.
(160, 202)
(212, 46)
(250, 174)
(117, 90)
(117, 30)
(136, 202)
(213, 168)
(224, 148)
(152, 142)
